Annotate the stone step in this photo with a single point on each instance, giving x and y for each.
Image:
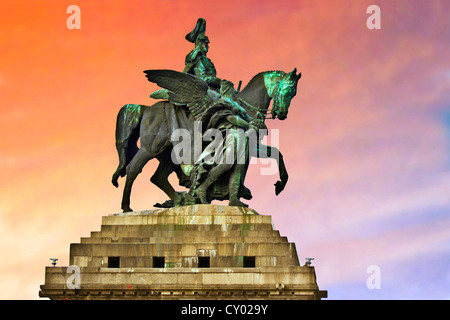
(147, 230)
(191, 210)
(183, 238)
(273, 276)
(219, 249)
(185, 219)
(185, 262)
(180, 236)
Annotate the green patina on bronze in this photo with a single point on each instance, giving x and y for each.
(133, 108)
(272, 80)
(281, 87)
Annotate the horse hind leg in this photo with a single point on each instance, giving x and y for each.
(132, 170)
(127, 135)
(160, 178)
(125, 155)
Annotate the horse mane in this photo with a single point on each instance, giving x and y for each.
(260, 75)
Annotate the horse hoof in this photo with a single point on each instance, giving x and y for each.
(246, 194)
(166, 204)
(279, 186)
(115, 177)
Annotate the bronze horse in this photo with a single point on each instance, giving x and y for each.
(153, 125)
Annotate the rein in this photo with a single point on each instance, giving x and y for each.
(255, 109)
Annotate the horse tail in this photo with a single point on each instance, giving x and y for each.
(127, 135)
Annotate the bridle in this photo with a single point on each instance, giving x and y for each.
(257, 110)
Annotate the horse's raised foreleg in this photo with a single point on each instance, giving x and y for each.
(133, 169)
(264, 151)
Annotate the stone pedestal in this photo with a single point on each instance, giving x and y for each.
(192, 252)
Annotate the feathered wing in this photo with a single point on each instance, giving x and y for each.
(184, 89)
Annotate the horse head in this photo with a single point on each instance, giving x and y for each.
(281, 87)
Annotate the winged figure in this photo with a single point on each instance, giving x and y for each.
(192, 91)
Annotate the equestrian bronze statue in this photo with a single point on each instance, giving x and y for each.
(204, 130)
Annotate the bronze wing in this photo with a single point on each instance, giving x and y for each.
(184, 88)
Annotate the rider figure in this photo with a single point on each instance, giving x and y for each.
(229, 119)
(196, 62)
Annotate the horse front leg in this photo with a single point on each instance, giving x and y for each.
(264, 151)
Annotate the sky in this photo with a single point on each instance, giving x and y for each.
(366, 142)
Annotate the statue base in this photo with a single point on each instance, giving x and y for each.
(191, 252)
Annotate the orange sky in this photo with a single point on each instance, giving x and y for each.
(363, 141)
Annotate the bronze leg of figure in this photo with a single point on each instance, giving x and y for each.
(234, 185)
(213, 176)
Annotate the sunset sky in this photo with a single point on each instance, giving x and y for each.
(366, 141)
